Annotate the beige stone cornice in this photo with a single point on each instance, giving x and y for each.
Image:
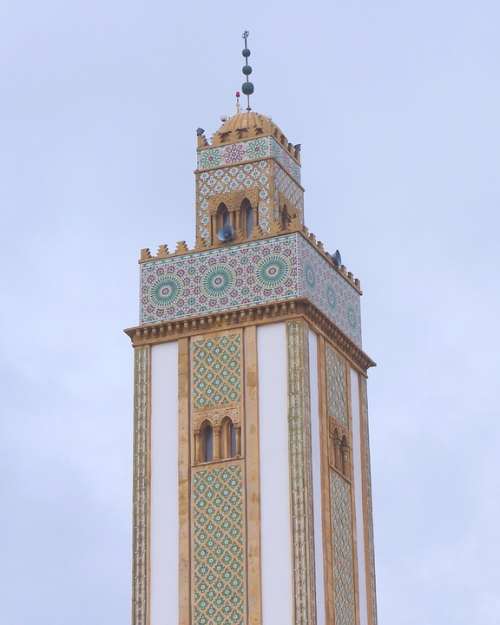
(164, 331)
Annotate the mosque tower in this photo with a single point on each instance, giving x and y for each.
(252, 497)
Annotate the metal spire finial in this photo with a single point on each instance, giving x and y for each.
(247, 86)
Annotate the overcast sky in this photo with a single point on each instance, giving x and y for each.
(396, 104)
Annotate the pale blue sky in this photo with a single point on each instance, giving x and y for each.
(396, 105)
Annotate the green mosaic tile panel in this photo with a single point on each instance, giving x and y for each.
(216, 364)
(329, 291)
(343, 562)
(219, 583)
(336, 386)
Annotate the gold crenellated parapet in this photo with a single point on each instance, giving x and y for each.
(257, 234)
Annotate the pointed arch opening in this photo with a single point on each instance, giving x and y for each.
(344, 452)
(229, 442)
(336, 450)
(206, 442)
(222, 217)
(285, 218)
(247, 218)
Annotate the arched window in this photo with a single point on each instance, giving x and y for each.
(344, 451)
(336, 450)
(229, 443)
(285, 218)
(207, 442)
(222, 217)
(247, 218)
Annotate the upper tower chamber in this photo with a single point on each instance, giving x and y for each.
(250, 171)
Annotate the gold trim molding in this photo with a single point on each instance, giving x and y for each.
(150, 334)
(368, 507)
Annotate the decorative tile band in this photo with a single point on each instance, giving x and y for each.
(140, 580)
(252, 150)
(228, 278)
(219, 554)
(343, 562)
(220, 279)
(299, 449)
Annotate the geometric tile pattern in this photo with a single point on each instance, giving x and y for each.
(336, 386)
(329, 291)
(221, 279)
(227, 168)
(343, 565)
(291, 190)
(216, 366)
(285, 160)
(218, 543)
(235, 178)
(211, 158)
(265, 147)
(237, 276)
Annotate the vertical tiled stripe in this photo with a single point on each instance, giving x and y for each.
(299, 432)
(140, 581)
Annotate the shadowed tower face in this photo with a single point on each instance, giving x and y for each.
(252, 497)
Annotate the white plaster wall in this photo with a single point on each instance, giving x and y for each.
(274, 481)
(358, 497)
(316, 475)
(164, 484)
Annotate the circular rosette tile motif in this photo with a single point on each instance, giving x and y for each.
(165, 291)
(310, 276)
(218, 281)
(352, 317)
(331, 297)
(272, 271)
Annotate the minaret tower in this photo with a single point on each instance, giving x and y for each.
(252, 497)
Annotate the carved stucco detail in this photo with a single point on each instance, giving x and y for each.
(233, 200)
(216, 417)
(299, 440)
(141, 496)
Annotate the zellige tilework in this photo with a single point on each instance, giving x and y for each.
(343, 562)
(216, 366)
(236, 178)
(254, 149)
(336, 386)
(291, 190)
(226, 168)
(218, 543)
(329, 291)
(220, 279)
